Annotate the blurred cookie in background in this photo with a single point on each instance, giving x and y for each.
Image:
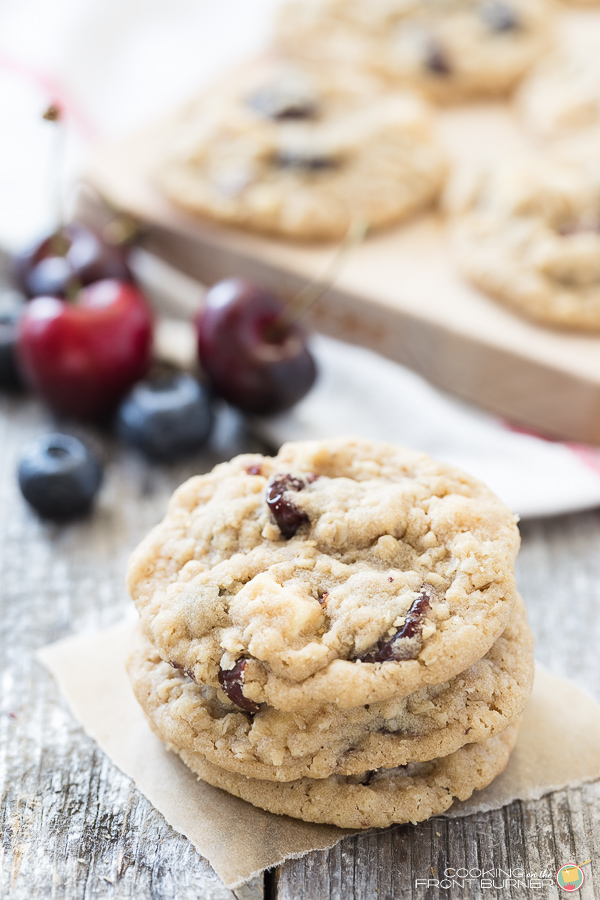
(561, 97)
(527, 232)
(450, 49)
(302, 153)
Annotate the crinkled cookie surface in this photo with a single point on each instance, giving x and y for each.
(371, 572)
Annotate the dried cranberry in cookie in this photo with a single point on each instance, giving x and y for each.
(305, 159)
(232, 683)
(435, 58)
(407, 642)
(374, 799)
(279, 500)
(291, 96)
(217, 581)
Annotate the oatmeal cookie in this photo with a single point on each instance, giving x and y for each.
(528, 233)
(285, 746)
(303, 153)
(342, 571)
(561, 97)
(449, 49)
(375, 799)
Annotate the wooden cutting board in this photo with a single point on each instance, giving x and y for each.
(399, 293)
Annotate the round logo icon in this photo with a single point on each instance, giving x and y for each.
(570, 877)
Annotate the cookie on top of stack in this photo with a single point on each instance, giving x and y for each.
(334, 633)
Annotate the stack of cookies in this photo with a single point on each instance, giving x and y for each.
(334, 633)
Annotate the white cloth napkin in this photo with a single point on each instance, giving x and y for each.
(116, 63)
(361, 393)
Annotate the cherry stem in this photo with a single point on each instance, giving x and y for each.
(308, 296)
(54, 114)
(73, 288)
(122, 228)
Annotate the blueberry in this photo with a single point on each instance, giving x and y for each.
(59, 476)
(11, 304)
(167, 418)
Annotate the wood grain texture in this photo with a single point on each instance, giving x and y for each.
(72, 826)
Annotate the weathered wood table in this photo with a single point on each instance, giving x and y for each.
(72, 826)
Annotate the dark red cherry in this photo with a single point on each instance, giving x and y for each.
(82, 356)
(250, 360)
(67, 260)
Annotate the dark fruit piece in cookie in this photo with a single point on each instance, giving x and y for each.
(305, 160)
(566, 229)
(232, 682)
(189, 673)
(59, 476)
(167, 417)
(436, 59)
(499, 16)
(406, 643)
(286, 98)
(251, 362)
(286, 514)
